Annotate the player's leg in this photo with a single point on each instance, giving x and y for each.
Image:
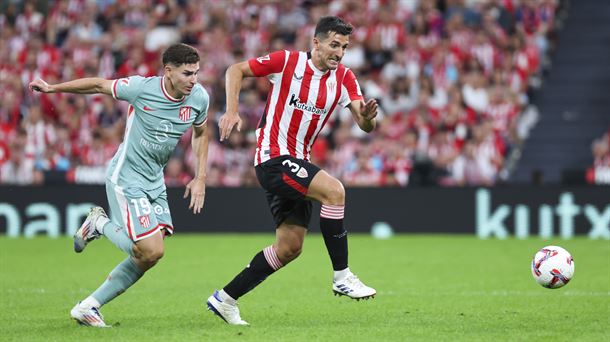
(149, 250)
(287, 247)
(131, 211)
(140, 225)
(289, 239)
(291, 213)
(330, 193)
(125, 274)
(143, 231)
(115, 230)
(147, 253)
(97, 222)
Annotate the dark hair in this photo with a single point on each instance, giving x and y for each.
(179, 54)
(332, 24)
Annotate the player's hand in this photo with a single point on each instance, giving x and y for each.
(226, 124)
(369, 112)
(40, 85)
(196, 188)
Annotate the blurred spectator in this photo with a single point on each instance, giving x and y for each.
(451, 78)
(469, 169)
(18, 167)
(599, 172)
(601, 151)
(175, 175)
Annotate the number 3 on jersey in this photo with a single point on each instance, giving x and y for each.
(295, 168)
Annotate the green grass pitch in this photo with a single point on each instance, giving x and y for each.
(430, 288)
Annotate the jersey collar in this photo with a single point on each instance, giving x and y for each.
(166, 93)
(313, 67)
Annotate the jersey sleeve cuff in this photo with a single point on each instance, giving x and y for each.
(200, 124)
(113, 88)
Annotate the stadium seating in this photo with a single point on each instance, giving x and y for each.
(573, 102)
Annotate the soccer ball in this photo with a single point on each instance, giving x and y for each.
(553, 267)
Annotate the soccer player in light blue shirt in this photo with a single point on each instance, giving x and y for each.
(161, 110)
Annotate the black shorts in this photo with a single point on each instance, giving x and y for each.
(286, 180)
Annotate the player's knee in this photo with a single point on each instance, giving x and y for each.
(290, 252)
(295, 251)
(155, 255)
(335, 193)
(150, 256)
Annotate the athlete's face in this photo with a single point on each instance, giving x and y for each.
(328, 52)
(182, 79)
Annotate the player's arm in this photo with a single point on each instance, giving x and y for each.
(235, 74)
(196, 186)
(364, 114)
(91, 85)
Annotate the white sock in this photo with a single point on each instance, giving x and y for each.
(226, 298)
(90, 302)
(340, 275)
(100, 223)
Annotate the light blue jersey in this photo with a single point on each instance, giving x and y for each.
(155, 123)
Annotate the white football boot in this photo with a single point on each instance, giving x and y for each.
(89, 316)
(88, 231)
(229, 313)
(352, 287)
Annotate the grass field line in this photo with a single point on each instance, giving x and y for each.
(498, 293)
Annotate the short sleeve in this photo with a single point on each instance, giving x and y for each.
(350, 89)
(202, 116)
(272, 63)
(127, 88)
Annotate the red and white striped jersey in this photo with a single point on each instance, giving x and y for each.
(300, 102)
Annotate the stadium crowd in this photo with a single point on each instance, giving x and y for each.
(599, 172)
(452, 78)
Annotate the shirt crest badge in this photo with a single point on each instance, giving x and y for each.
(185, 113)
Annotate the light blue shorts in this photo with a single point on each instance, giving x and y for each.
(141, 212)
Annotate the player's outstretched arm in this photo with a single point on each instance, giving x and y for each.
(235, 74)
(196, 186)
(364, 114)
(91, 85)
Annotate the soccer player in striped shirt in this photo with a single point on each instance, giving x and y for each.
(161, 110)
(306, 89)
